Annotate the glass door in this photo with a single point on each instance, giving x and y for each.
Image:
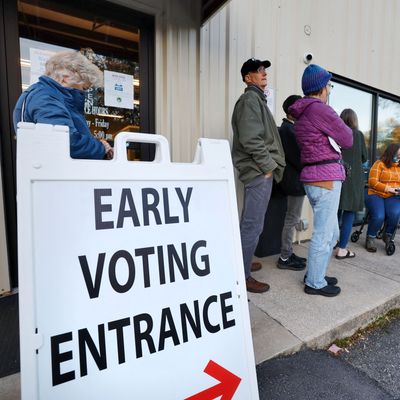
(120, 40)
(46, 28)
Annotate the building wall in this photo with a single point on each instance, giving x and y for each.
(353, 38)
(177, 72)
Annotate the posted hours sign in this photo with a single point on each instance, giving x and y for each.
(131, 274)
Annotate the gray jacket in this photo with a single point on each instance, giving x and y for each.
(257, 147)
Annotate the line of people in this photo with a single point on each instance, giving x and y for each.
(305, 158)
(311, 155)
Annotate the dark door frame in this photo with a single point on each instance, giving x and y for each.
(10, 89)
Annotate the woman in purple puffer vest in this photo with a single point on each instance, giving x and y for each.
(320, 133)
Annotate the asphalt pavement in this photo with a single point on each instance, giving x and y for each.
(377, 355)
(370, 370)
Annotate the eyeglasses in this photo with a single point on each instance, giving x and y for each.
(260, 70)
(329, 85)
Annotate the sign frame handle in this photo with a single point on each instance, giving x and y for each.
(162, 154)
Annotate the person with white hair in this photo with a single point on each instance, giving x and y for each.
(58, 99)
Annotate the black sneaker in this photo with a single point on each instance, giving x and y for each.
(370, 244)
(328, 290)
(300, 260)
(290, 263)
(330, 280)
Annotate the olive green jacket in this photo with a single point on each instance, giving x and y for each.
(257, 148)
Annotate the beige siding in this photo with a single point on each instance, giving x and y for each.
(177, 69)
(353, 38)
(197, 71)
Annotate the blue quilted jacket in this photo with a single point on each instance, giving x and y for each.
(316, 122)
(48, 102)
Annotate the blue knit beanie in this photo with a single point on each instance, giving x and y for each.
(314, 79)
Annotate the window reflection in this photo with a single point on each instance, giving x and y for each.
(388, 124)
(343, 96)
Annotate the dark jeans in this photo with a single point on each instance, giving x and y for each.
(292, 217)
(346, 219)
(381, 209)
(256, 198)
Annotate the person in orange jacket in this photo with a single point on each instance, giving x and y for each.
(383, 198)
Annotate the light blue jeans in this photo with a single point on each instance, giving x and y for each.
(325, 233)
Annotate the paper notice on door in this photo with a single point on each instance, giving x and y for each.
(118, 90)
(334, 144)
(38, 61)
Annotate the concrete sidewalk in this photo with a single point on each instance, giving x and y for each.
(285, 319)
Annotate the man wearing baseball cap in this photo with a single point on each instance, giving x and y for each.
(258, 156)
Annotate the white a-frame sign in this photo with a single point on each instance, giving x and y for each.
(130, 274)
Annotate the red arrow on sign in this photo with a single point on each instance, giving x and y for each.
(226, 388)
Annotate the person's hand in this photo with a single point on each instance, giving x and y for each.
(108, 149)
(268, 175)
(394, 190)
(110, 154)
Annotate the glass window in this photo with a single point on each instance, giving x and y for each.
(108, 43)
(343, 96)
(388, 124)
